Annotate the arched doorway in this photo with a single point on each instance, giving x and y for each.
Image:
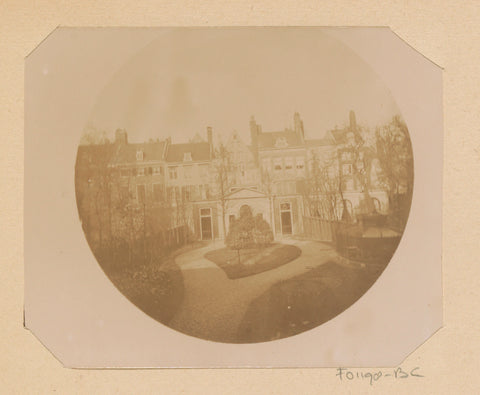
(245, 211)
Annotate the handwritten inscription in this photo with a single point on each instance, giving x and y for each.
(345, 374)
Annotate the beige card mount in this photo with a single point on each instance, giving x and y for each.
(232, 197)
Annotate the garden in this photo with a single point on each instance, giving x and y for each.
(250, 249)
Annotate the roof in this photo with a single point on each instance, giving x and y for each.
(94, 153)
(270, 139)
(243, 192)
(197, 139)
(94, 149)
(199, 152)
(339, 135)
(127, 153)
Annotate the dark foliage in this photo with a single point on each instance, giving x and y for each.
(249, 231)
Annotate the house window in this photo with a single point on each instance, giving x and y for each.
(141, 193)
(157, 171)
(281, 142)
(158, 192)
(331, 172)
(171, 194)
(346, 169)
(186, 195)
(346, 155)
(125, 172)
(172, 172)
(187, 157)
(290, 188)
(349, 185)
(289, 164)
(188, 172)
(205, 211)
(300, 164)
(279, 188)
(203, 170)
(124, 193)
(277, 164)
(141, 171)
(242, 169)
(139, 155)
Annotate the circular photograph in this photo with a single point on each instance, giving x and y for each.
(243, 185)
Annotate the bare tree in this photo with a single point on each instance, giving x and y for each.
(95, 179)
(395, 157)
(267, 185)
(323, 188)
(224, 177)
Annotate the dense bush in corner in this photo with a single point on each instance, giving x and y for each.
(262, 233)
(248, 231)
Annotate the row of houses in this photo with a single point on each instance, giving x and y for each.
(277, 174)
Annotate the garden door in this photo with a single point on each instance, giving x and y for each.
(286, 218)
(206, 224)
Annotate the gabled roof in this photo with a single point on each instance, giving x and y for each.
(339, 135)
(198, 151)
(245, 193)
(127, 153)
(269, 139)
(95, 153)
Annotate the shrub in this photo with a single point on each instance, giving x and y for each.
(248, 231)
(262, 233)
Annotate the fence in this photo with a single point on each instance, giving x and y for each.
(120, 250)
(319, 229)
(347, 238)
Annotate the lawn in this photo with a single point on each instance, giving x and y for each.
(305, 301)
(247, 262)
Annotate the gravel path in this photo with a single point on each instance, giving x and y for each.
(214, 305)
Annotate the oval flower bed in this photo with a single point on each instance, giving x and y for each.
(249, 261)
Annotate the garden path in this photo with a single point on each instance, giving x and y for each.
(214, 305)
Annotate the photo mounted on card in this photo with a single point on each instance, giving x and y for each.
(232, 197)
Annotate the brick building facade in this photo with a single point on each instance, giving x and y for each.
(273, 175)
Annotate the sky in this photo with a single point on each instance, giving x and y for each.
(188, 79)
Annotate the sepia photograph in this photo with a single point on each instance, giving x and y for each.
(244, 185)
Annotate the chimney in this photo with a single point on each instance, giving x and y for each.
(255, 130)
(121, 136)
(210, 135)
(353, 121)
(299, 127)
(168, 142)
(210, 139)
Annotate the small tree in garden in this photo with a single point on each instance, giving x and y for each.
(248, 231)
